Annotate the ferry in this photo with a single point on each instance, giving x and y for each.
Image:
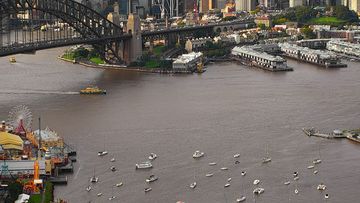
(12, 60)
(92, 90)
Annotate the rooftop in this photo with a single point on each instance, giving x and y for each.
(186, 58)
(251, 51)
(322, 54)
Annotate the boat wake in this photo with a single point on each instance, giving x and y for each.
(36, 92)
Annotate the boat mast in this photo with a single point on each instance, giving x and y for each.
(39, 145)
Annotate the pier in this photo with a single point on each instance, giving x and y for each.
(312, 132)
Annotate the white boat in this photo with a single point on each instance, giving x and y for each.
(151, 178)
(256, 182)
(315, 172)
(212, 164)
(143, 165)
(112, 197)
(227, 185)
(94, 179)
(296, 191)
(316, 161)
(266, 160)
(258, 190)
(112, 159)
(326, 196)
(311, 167)
(236, 155)
(287, 183)
(243, 173)
(296, 178)
(237, 162)
(229, 179)
(113, 168)
(119, 184)
(88, 188)
(102, 153)
(241, 199)
(321, 186)
(152, 156)
(209, 174)
(148, 189)
(295, 174)
(198, 154)
(224, 168)
(99, 194)
(193, 185)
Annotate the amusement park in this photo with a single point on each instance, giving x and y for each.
(31, 161)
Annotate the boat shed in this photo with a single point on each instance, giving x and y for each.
(20, 167)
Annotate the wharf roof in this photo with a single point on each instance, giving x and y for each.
(186, 58)
(322, 54)
(22, 166)
(251, 51)
(347, 44)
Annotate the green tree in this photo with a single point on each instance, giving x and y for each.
(308, 32)
(15, 189)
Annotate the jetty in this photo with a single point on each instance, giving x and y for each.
(335, 134)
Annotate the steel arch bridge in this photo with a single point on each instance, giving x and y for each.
(90, 27)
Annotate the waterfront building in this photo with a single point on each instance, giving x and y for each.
(194, 44)
(313, 56)
(344, 47)
(187, 62)
(250, 56)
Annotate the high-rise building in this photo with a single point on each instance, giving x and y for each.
(293, 3)
(354, 5)
(204, 6)
(245, 5)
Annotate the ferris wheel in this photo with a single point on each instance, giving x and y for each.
(20, 116)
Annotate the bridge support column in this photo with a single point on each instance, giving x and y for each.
(135, 47)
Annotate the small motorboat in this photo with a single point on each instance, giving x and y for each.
(152, 156)
(295, 174)
(229, 179)
(311, 167)
(241, 198)
(88, 188)
(296, 191)
(258, 190)
(212, 164)
(119, 184)
(143, 165)
(256, 182)
(316, 161)
(102, 153)
(243, 173)
(287, 183)
(198, 154)
(236, 155)
(112, 197)
(237, 162)
(296, 178)
(193, 185)
(112, 159)
(227, 185)
(148, 189)
(321, 186)
(224, 168)
(94, 179)
(326, 196)
(266, 160)
(99, 194)
(151, 178)
(209, 174)
(315, 172)
(113, 168)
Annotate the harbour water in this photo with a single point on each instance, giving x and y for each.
(227, 110)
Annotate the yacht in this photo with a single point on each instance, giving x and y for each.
(224, 168)
(326, 196)
(198, 154)
(321, 186)
(209, 174)
(112, 159)
(148, 189)
(112, 168)
(287, 183)
(316, 161)
(99, 194)
(243, 173)
(119, 184)
(296, 174)
(315, 172)
(88, 188)
(193, 185)
(151, 178)
(229, 179)
(212, 164)
(256, 182)
(236, 155)
(241, 199)
(94, 179)
(296, 178)
(152, 156)
(311, 167)
(296, 191)
(266, 160)
(227, 185)
(237, 162)
(112, 197)
(258, 190)
(143, 165)
(102, 153)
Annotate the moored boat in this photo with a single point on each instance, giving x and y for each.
(88, 188)
(321, 186)
(102, 153)
(243, 173)
(258, 190)
(198, 154)
(241, 199)
(148, 189)
(152, 156)
(143, 165)
(119, 184)
(209, 174)
(256, 182)
(212, 163)
(236, 155)
(99, 194)
(227, 185)
(193, 185)
(151, 178)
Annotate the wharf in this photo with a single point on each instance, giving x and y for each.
(252, 64)
(66, 168)
(59, 180)
(339, 65)
(311, 132)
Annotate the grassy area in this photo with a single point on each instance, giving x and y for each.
(36, 198)
(327, 21)
(152, 64)
(97, 60)
(69, 56)
(158, 50)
